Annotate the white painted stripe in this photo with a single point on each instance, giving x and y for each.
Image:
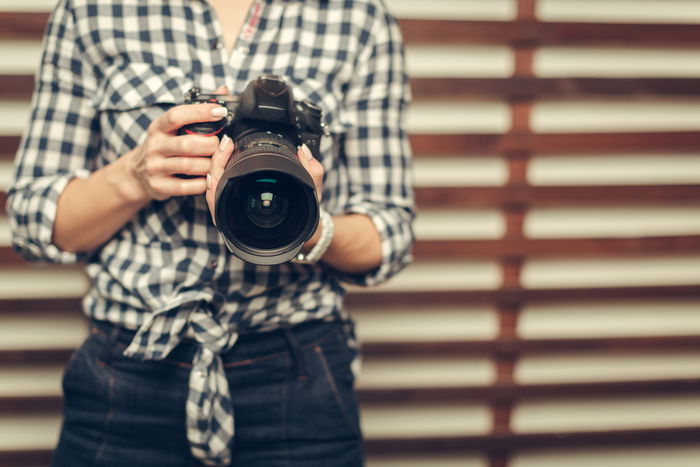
(414, 420)
(555, 273)
(432, 460)
(576, 222)
(425, 372)
(14, 116)
(459, 117)
(459, 61)
(643, 11)
(42, 283)
(30, 381)
(616, 116)
(454, 9)
(423, 117)
(467, 171)
(5, 234)
(441, 9)
(604, 366)
(665, 169)
(443, 276)
(428, 324)
(614, 413)
(652, 455)
(437, 60)
(610, 319)
(6, 171)
(42, 330)
(27, 5)
(459, 224)
(456, 61)
(20, 57)
(29, 431)
(616, 62)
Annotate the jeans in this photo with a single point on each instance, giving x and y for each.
(292, 390)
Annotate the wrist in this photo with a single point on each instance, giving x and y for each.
(318, 244)
(125, 182)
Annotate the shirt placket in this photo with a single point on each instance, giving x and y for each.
(242, 47)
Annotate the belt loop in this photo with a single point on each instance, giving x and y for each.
(296, 351)
(106, 352)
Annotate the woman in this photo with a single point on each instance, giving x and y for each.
(194, 356)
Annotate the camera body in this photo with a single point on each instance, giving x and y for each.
(266, 206)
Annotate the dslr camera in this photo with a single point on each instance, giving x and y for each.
(266, 206)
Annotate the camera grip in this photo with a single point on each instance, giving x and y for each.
(203, 129)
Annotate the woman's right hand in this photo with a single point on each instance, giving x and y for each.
(155, 163)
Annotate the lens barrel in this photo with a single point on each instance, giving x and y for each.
(266, 206)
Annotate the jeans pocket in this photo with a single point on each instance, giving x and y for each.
(323, 404)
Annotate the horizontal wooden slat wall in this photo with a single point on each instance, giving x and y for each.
(550, 317)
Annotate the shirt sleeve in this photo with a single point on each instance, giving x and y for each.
(59, 142)
(376, 148)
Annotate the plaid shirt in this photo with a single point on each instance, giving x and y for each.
(111, 67)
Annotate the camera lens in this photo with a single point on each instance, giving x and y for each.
(266, 207)
(266, 211)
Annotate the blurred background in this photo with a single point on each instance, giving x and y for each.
(552, 314)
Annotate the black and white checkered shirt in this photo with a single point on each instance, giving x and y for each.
(110, 67)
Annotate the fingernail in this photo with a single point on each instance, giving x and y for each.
(219, 111)
(224, 142)
(307, 152)
(208, 181)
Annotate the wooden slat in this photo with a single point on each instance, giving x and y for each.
(25, 458)
(18, 87)
(534, 33)
(443, 197)
(468, 249)
(440, 395)
(28, 305)
(29, 404)
(516, 346)
(23, 26)
(460, 145)
(35, 356)
(495, 392)
(401, 300)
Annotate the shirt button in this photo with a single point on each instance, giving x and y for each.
(217, 45)
(243, 50)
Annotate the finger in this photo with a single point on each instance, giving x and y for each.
(189, 145)
(221, 157)
(181, 115)
(312, 166)
(222, 90)
(173, 186)
(218, 163)
(186, 165)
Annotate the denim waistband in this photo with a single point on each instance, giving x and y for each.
(250, 345)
